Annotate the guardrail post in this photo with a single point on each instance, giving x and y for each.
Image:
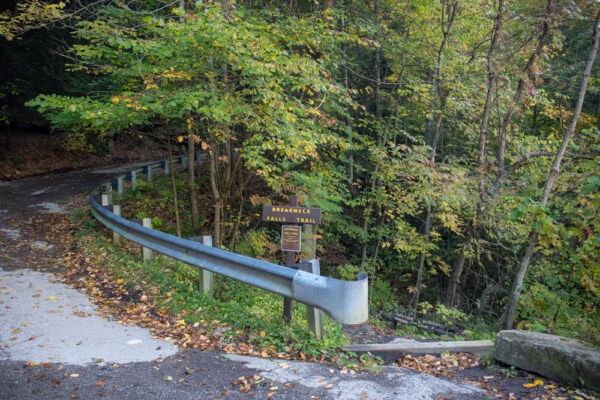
(182, 160)
(205, 279)
(106, 199)
(133, 179)
(148, 172)
(116, 236)
(164, 164)
(313, 314)
(146, 252)
(107, 190)
(205, 282)
(120, 186)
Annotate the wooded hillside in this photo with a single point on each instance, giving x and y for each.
(453, 146)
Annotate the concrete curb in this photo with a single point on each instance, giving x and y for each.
(392, 351)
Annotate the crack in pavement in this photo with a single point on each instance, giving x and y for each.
(391, 383)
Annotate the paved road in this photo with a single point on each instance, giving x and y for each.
(53, 345)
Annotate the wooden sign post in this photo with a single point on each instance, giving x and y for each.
(291, 234)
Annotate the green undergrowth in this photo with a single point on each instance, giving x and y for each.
(155, 200)
(469, 327)
(253, 316)
(482, 333)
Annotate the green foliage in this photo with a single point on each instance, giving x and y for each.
(450, 316)
(348, 272)
(447, 315)
(241, 77)
(77, 214)
(253, 244)
(155, 201)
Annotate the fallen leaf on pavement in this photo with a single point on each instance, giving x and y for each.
(535, 383)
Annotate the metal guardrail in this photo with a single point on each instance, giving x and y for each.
(345, 302)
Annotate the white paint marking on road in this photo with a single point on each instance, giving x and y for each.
(46, 321)
(41, 191)
(50, 207)
(12, 233)
(400, 383)
(38, 244)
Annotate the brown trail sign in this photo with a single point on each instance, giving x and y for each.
(291, 238)
(291, 235)
(292, 214)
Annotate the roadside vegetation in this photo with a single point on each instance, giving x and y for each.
(261, 240)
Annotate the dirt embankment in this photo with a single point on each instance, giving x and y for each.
(32, 153)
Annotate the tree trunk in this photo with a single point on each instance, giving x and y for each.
(511, 307)
(174, 186)
(192, 183)
(191, 159)
(457, 271)
(327, 4)
(436, 137)
(520, 86)
(454, 283)
(214, 184)
(234, 230)
(442, 94)
(369, 209)
(485, 116)
(348, 122)
(417, 293)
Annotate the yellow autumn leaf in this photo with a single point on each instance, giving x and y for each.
(180, 139)
(115, 99)
(535, 383)
(262, 333)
